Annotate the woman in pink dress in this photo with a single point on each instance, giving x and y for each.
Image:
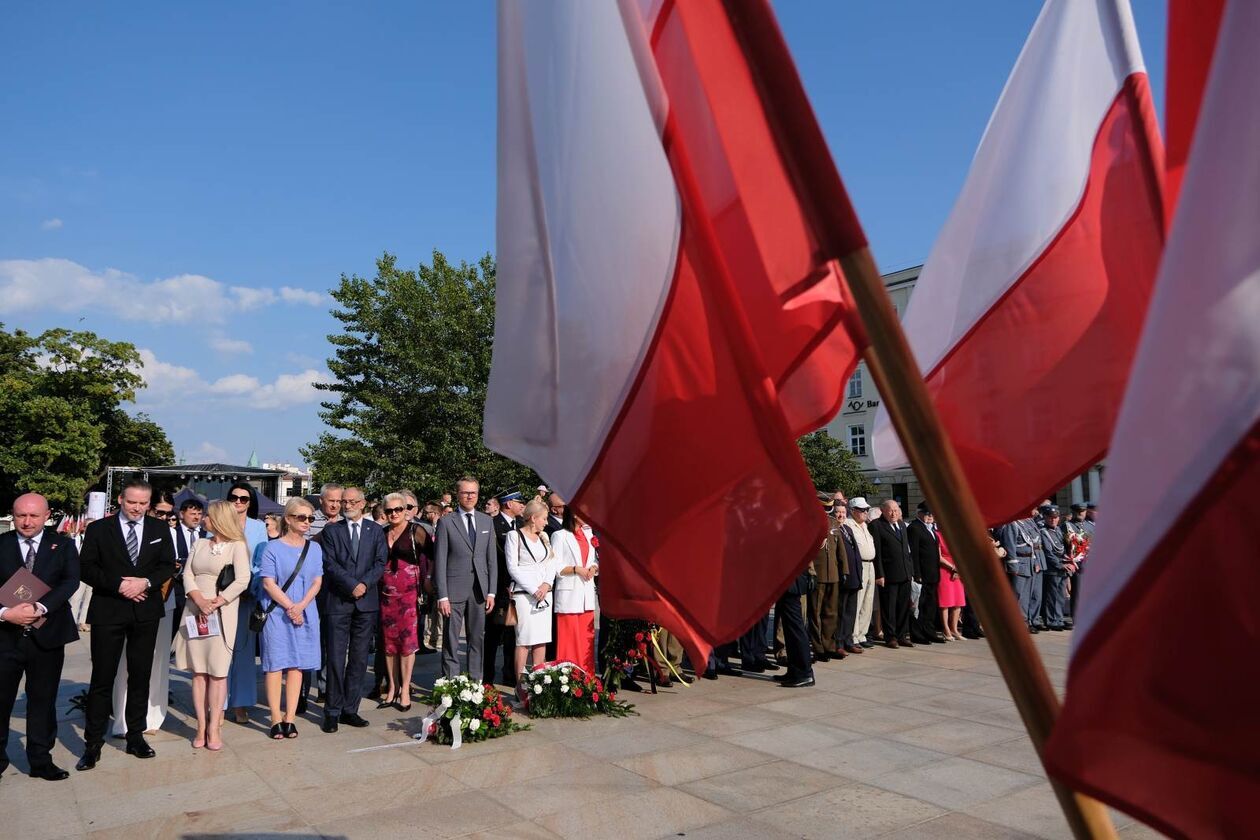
(406, 565)
(951, 595)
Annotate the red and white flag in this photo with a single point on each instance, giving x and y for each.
(1028, 310)
(664, 327)
(1160, 713)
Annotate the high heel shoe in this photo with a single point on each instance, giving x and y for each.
(386, 702)
(400, 707)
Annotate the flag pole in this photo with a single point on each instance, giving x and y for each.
(896, 374)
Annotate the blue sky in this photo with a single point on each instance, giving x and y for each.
(194, 178)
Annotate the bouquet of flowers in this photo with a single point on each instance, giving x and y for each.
(565, 690)
(1077, 547)
(466, 710)
(626, 644)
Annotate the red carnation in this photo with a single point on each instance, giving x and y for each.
(577, 692)
(432, 728)
(638, 637)
(594, 698)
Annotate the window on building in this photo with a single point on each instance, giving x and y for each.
(855, 385)
(857, 439)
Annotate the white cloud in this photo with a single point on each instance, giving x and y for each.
(51, 224)
(208, 453)
(223, 344)
(174, 384)
(66, 286)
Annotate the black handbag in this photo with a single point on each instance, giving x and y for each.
(227, 576)
(258, 616)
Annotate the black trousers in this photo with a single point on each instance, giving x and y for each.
(753, 644)
(927, 625)
(894, 609)
(795, 636)
(42, 669)
(499, 637)
(349, 638)
(107, 644)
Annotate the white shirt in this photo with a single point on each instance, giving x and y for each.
(122, 523)
(862, 537)
(23, 548)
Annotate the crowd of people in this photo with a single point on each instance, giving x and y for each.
(303, 598)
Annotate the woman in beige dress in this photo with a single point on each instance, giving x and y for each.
(210, 658)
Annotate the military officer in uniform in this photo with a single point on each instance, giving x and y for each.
(1058, 567)
(1024, 562)
(824, 599)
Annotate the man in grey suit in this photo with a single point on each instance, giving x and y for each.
(466, 571)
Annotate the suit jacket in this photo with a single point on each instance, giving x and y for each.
(925, 551)
(892, 551)
(826, 561)
(343, 571)
(572, 594)
(104, 562)
(501, 529)
(846, 543)
(1054, 547)
(458, 562)
(56, 564)
(552, 525)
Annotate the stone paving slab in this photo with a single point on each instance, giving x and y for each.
(921, 742)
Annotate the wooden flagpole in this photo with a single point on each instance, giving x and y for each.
(901, 386)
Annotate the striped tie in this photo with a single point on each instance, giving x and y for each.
(133, 543)
(29, 562)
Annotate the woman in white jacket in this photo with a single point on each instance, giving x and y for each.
(531, 563)
(576, 567)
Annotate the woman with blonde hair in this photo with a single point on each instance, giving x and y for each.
(406, 566)
(532, 566)
(216, 574)
(292, 571)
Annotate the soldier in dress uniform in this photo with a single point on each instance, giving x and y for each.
(1058, 567)
(1083, 528)
(824, 599)
(1024, 562)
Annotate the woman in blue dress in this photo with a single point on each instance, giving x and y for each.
(290, 638)
(242, 682)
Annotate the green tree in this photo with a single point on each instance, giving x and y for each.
(410, 371)
(61, 396)
(831, 465)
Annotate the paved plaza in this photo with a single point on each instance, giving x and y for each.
(921, 743)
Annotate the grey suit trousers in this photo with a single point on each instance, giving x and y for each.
(466, 616)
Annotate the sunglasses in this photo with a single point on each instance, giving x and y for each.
(392, 511)
(301, 517)
(239, 499)
(409, 507)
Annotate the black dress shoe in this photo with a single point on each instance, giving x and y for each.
(768, 665)
(907, 643)
(710, 674)
(49, 772)
(939, 638)
(1033, 630)
(140, 749)
(91, 755)
(354, 720)
(799, 682)
(866, 643)
(753, 668)
(822, 657)
(329, 725)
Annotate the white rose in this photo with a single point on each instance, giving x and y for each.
(478, 697)
(547, 679)
(474, 725)
(564, 680)
(439, 681)
(465, 695)
(564, 671)
(446, 701)
(564, 689)
(538, 689)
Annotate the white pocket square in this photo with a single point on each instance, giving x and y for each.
(485, 532)
(155, 542)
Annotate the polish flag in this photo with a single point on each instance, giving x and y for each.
(665, 326)
(1160, 713)
(1028, 310)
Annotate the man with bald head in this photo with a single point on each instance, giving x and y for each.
(32, 647)
(895, 565)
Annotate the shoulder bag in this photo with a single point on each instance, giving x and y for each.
(258, 616)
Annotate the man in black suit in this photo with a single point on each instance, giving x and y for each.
(125, 559)
(499, 636)
(555, 513)
(354, 561)
(894, 564)
(37, 652)
(187, 531)
(925, 551)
